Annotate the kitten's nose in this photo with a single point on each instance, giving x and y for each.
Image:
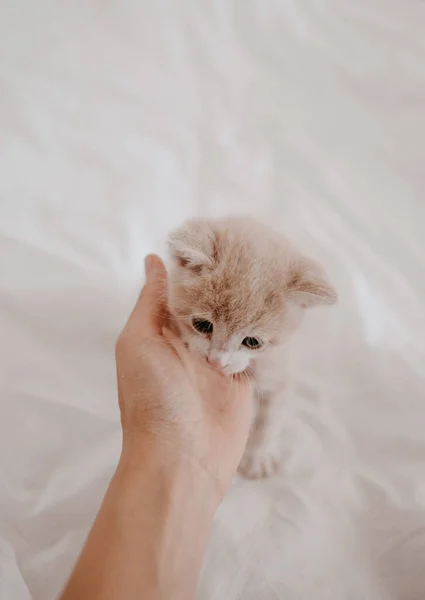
(214, 362)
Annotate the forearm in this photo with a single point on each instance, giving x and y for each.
(149, 536)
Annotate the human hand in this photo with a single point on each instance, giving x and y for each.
(185, 427)
(171, 401)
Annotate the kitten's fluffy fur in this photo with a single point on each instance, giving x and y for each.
(248, 282)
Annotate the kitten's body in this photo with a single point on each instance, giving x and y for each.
(237, 291)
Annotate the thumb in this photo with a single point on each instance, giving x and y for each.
(154, 269)
(149, 314)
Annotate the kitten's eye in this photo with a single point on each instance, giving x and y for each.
(251, 343)
(202, 326)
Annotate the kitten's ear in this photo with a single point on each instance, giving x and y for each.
(308, 285)
(193, 245)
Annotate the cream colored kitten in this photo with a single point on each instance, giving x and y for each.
(237, 290)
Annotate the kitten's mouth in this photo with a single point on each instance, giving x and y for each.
(228, 372)
(217, 366)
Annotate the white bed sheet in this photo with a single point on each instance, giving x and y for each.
(117, 121)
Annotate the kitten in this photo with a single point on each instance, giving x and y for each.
(237, 290)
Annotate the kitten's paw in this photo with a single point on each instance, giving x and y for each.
(261, 462)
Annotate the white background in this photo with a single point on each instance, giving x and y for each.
(117, 121)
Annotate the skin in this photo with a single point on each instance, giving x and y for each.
(185, 427)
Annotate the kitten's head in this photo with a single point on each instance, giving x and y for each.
(237, 288)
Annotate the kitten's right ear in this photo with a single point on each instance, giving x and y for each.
(192, 245)
(308, 284)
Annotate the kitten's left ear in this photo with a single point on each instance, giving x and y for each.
(308, 285)
(192, 246)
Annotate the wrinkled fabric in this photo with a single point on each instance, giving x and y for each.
(117, 121)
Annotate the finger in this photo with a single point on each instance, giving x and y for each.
(245, 381)
(237, 391)
(154, 267)
(236, 409)
(150, 312)
(178, 345)
(192, 362)
(173, 339)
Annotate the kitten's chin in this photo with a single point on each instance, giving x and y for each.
(235, 370)
(230, 372)
(200, 346)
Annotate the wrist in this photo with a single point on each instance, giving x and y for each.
(179, 501)
(170, 461)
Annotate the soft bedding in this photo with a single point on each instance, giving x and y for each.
(117, 121)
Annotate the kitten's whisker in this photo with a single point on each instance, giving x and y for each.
(245, 378)
(188, 319)
(229, 393)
